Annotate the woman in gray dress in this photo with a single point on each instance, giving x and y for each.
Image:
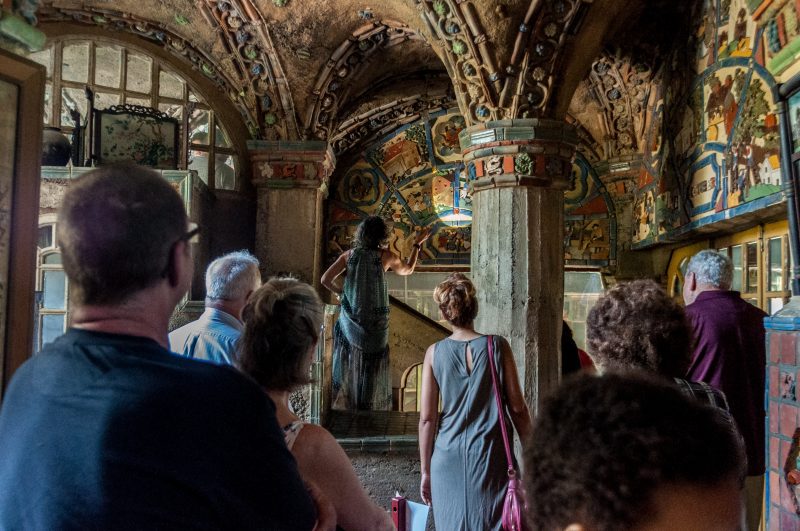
(464, 474)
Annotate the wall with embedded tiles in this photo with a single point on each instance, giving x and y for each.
(783, 419)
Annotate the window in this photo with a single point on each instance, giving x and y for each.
(122, 74)
(582, 290)
(411, 388)
(52, 289)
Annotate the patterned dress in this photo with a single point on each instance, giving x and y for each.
(361, 336)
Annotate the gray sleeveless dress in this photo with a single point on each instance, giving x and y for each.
(468, 466)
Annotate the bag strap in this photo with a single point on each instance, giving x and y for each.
(500, 408)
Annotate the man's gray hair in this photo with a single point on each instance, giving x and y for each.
(232, 276)
(711, 268)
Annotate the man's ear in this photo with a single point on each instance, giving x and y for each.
(691, 280)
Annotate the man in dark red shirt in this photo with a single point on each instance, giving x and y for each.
(730, 355)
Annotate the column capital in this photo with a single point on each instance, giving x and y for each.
(279, 164)
(519, 152)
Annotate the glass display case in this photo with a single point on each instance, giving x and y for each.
(582, 289)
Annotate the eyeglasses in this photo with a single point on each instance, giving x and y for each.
(190, 236)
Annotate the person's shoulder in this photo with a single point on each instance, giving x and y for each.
(187, 327)
(179, 335)
(220, 375)
(499, 341)
(316, 434)
(753, 310)
(315, 441)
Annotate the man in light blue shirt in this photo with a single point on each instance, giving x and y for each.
(230, 279)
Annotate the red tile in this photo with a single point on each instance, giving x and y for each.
(774, 489)
(789, 522)
(788, 346)
(786, 498)
(774, 382)
(774, 347)
(788, 419)
(785, 448)
(774, 418)
(774, 453)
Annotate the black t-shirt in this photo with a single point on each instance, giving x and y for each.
(105, 431)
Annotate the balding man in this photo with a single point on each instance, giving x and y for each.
(105, 428)
(730, 355)
(230, 279)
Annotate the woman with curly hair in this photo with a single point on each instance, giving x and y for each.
(281, 330)
(360, 376)
(464, 473)
(636, 326)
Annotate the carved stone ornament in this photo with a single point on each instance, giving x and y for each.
(523, 152)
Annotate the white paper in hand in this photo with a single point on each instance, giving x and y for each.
(416, 516)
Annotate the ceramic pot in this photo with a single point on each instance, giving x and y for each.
(56, 148)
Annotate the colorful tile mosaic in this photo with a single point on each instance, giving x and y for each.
(722, 127)
(783, 422)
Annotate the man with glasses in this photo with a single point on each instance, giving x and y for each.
(230, 279)
(105, 428)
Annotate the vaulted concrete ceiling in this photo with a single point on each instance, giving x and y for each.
(301, 69)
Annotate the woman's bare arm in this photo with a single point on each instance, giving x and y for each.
(515, 400)
(428, 420)
(337, 268)
(393, 262)
(321, 460)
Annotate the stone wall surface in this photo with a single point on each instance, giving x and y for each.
(410, 335)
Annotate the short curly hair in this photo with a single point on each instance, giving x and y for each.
(602, 446)
(636, 325)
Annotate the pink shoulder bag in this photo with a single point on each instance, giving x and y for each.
(514, 503)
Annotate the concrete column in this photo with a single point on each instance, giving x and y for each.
(291, 180)
(520, 170)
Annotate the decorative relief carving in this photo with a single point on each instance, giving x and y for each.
(623, 90)
(368, 126)
(520, 152)
(281, 164)
(245, 36)
(452, 24)
(345, 64)
(266, 107)
(536, 68)
(521, 89)
(170, 41)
